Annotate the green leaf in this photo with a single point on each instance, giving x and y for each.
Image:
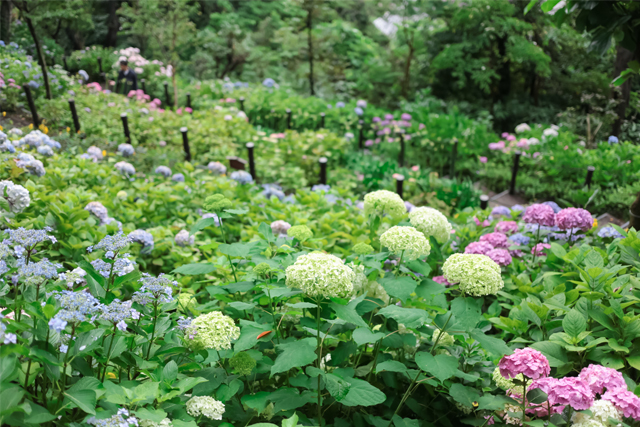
(239, 305)
(554, 353)
(548, 5)
(558, 250)
(170, 371)
(536, 396)
(39, 415)
(493, 345)
(83, 399)
(441, 366)
(530, 6)
(144, 391)
(464, 395)
(8, 369)
(237, 211)
(290, 422)
(266, 231)
(337, 387)
(195, 269)
(203, 223)
(410, 317)
(301, 305)
(236, 249)
(258, 402)
(10, 396)
(467, 311)
(94, 287)
(249, 336)
(180, 423)
(155, 415)
(365, 336)
(494, 403)
(401, 287)
(419, 267)
(391, 366)
(294, 354)
(574, 323)
(361, 393)
(226, 392)
(348, 312)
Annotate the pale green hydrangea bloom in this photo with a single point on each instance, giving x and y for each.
(360, 280)
(383, 201)
(601, 411)
(431, 223)
(363, 249)
(300, 232)
(164, 423)
(406, 241)
(211, 331)
(320, 274)
(477, 275)
(444, 340)
(375, 290)
(206, 406)
(186, 302)
(506, 383)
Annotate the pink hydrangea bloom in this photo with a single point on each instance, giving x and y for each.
(506, 227)
(483, 159)
(442, 280)
(484, 223)
(540, 214)
(516, 253)
(546, 384)
(480, 248)
(538, 249)
(497, 145)
(526, 361)
(569, 218)
(572, 391)
(511, 138)
(497, 240)
(599, 377)
(624, 400)
(500, 256)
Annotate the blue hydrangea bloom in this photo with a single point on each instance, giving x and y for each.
(520, 239)
(554, 206)
(613, 139)
(340, 104)
(321, 187)
(609, 231)
(273, 190)
(242, 177)
(268, 82)
(358, 111)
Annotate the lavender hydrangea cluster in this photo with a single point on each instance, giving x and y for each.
(126, 150)
(496, 239)
(178, 177)
(272, 190)
(76, 307)
(217, 168)
(609, 232)
(37, 272)
(154, 289)
(125, 168)
(241, 177)
(119, 267)
(118, 312)
(164, 171)
(112, 244)
(21, 238)
(100, 212)
(280, 228)
(143, 237)
(570, 218)
(183, 238)
(30, 164)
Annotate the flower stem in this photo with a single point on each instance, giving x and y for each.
(153, 332)
(224, 238)
(319, 362)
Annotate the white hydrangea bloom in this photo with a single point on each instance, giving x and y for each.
(443, 340)
(506, 383)
(164, 423)
(360, 280)
(16, 195)
(477, 275)
(280, 228)
(318, 273)
(184, 239)
(549, 133)
(45, 150)
(602, 410)
(213, 330)
(383, 201)
(523, 127)
(406, 242)
(431, 223)
(206, 406)
(125, 168)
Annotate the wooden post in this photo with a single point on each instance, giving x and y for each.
(323, 170)
(288, 118)
(166, 95)
(402, 149)
(32, 106)
(100, 64)
(361, 134)
(242, 104)
(634, 214)
(64, 61)
(252, 162)
(125, 127)
(185, 143)
(484, 202)
(74, 114)
(322, 120)
(590, 171)
(399, 182)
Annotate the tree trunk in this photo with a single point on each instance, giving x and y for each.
(634, 214)
(407, 72)
(503, 88)
(623, 57)
(310, 43)
(43, 63)
(5, 20)
(175, 86)
(113, 24)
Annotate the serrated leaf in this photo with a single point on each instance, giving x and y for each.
(294, 355)
(195, 269)
(410, 317)
(574, 323)
(83, 399)
(361, 393)
(440, 366)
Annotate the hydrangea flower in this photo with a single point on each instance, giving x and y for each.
(126, 150)
(45, 150)
(121, 419)
(242, 177)
(497, 240)
(506, 227)
(570, 218)
(553, 205)
(520, 239)
(184, 239)
(159, 289)
(216, 221)
(601, 412)
(16, 195)
(117, 312)
(178, 177)
(242, 363)
(36, 272)
(625, 401)
(442, 280)
(205, 405)
(499, 211)
(540, 214)
(505, 383)
(272, 190)
(538, 250)
(361, 103)
(122, 265)
(125, 168)
(280, 228)
(572, 391)
(112, 244)
(443, 338)
(217, 203)
(98, 210)
(523, 127)
(300, 232)
(268, 82)
(164, 171)
(362, 249)
(76, 307)
(406, 242)
(73, 277)
(613, 140)
(480, 248)
(609, 231)
(431, 223)
(501, 257)
(476, 274)
(7, 146)
(599, 378)
(143, 237)
(320, 274)
(213, 331)
(384, 202)
(30, 164)
(526, 361)
(165, 422)
(217, 168)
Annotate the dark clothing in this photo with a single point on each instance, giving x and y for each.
(127, 78)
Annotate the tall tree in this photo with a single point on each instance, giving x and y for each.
(310, 10)
(27, 9)
(5, 20)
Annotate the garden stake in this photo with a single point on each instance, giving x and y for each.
(360, 134)
(454, 154)
(288, 118)
(166, 95)
(188, 100)
(32, 106)
(252, 163)
(323, 170)
(399, 182)
(401, 155)
(64, 61)
(514, 173)
(484, 202)
(74, 113)
(143, 82)
(100, 64)
(590, 171)
(125, 127)
(322, 120)
(242, 103)
(185, 143)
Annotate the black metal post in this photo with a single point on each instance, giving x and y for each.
(74, 114)
(454, 154)
(125, 127)
(590, 171)
(514, 172)
(399, 182)
(64, 61)
(322, 120)
(361, 134)
(252, 162)
(401, 155)
(143, 82)
(185, 144)
(484, 202)
(188, 100)
(100, 64)
(323, 170)
(242, 103)
(166, 95)
(32, 106)
(288, 118)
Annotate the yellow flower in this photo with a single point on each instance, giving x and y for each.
(68, 129)
(78, 132)
(111, 375)
(4, 114)
(595, 222)
(31, 126)
(1, 128)
(104, 153)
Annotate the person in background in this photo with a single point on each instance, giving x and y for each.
(127, 77)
